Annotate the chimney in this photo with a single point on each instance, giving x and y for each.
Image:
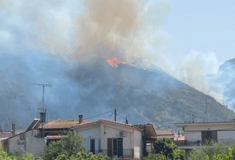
(80, 118)
(13, 131)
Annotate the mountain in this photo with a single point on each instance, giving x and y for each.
(225, 79)
(94, 88)
(145, 96)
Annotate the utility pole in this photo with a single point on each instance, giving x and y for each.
(126, 121)
(115, 115)
(42, 111)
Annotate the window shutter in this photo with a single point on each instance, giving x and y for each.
(88, 144)
(96, 146)
(110, 147)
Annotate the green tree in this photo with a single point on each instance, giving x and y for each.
(69, 145)
(165, 146)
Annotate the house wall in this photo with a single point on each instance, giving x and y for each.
(225, 136)
(30, 143)
(91, 132)
(193, 136)
(137, 144)
(34, 144)
(222, 136)
(113, 132)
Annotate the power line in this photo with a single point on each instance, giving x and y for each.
(122, 116)
(98, 115)
(111, 114)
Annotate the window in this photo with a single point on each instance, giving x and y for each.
(22, 136)
(209, 135)
(92, 145)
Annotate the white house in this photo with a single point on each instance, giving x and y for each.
(112, 138)
(27, 141)
(197, 133)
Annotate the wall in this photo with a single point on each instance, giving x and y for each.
(137, 144)
(112, 131)
(30, 143)
(193, 136)
(91, 132)
(34, 144)
(225, 136)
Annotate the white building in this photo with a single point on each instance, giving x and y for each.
(27, 141)
(114, 139)
(197, 133)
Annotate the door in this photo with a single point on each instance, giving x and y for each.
(120, 147)
(115, 147)
(92, 146)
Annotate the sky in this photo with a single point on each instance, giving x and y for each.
(201, 26)
(205, 26)
(40, 41)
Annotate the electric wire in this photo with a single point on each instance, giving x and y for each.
(97, 115)
(121, 116)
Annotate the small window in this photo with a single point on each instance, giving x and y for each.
(22, 136)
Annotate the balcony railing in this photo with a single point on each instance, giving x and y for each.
(187, 143)
(125, 153)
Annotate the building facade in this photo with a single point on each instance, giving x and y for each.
(196, 134)
(112, 138)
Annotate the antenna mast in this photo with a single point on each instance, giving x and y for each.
(42, 111)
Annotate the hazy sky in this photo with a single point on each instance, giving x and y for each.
(202, 25)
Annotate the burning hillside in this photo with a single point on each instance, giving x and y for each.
(114, 61)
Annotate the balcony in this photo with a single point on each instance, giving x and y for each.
(124, 154)
(187, 143)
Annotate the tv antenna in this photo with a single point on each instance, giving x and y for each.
(42, 111)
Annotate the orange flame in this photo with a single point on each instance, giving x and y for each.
(114, 61)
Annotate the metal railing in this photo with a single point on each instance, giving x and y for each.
(124, 153)
(187, 143)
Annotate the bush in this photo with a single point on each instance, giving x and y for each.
(156, 157)
(66, 147)
(212, 151)
(166, 147)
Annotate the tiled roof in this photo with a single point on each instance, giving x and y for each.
(115, 122)
(164, 132)
(5, 134)
(109, 121)
(63, 124)
(149, 130)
